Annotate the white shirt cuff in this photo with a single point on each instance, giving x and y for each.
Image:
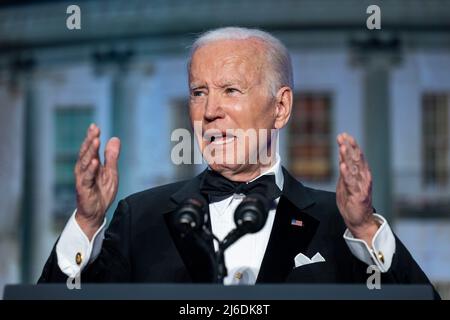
(74, 250)
(383, 246)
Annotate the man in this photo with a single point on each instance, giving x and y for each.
(238, 79)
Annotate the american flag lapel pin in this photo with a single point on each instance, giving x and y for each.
(296, 222)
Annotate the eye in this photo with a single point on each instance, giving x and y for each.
(231, 90)
(197, 93)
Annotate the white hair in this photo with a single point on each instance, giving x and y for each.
(276, 54)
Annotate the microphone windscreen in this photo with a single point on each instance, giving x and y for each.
(190, 215)
(252, 212)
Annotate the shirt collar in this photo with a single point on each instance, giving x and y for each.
(276, 171)
(273, 170)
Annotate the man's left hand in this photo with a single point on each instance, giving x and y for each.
(354, 190)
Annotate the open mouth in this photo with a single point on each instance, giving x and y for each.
(219, 139)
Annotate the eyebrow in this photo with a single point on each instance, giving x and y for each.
(220, 83)
(194, 86)
(232, 82)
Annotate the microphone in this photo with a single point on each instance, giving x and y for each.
(190, 216)
(251, 214)
(190, 219)
(250, 217)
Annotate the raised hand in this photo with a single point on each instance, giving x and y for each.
(96, 183)
(354, 190)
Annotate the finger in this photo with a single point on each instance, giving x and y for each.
(354, 149)
(351, 181)
(92, 132)
(344, 175)
(345, 154)
(91, 153)
(340, 189)
(344, 157)
(88, 177)
(112, 152)
(353, 142)
(353, 154)
(369, 183)
(86, 141)
(341, 153)
(366, 176)
(360, 172)
(350, 153)
(340, 139)
(350, 139)
(344, 136)
(347, 139)
(358, 158)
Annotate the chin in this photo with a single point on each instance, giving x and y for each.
(222, 168)
(235, 172)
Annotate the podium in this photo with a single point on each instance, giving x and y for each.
(216, 292)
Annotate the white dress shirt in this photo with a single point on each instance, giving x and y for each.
(243, 259)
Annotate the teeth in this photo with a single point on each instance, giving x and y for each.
(221, 140)
(212, 137)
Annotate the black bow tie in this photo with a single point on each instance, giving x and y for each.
(216, 185)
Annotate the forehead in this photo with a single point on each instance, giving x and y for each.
(240, 59)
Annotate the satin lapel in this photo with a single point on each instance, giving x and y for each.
(195, 256)
(293, 229)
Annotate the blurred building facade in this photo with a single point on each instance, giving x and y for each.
(126, 70)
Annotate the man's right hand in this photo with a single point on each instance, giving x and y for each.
(96, 183)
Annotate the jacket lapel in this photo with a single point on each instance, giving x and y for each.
(195, 256)
(293, 229)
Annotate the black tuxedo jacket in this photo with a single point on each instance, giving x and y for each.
(141, 244)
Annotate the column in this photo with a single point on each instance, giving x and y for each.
(377, 58)
(36, 190)
(116, 65)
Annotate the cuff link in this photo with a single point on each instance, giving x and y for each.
(380, 256)
(78, 258)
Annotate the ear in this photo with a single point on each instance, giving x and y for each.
(283, 106)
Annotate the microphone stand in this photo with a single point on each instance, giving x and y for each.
(222, 271)
(189, 220)
(250, 217)
(217, 258)
(219, 255)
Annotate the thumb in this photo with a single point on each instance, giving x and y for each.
(112, 152)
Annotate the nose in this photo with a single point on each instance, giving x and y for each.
(214, 109)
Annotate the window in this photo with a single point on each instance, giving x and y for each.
(435, 134)
(310, 137)
(70, 129)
